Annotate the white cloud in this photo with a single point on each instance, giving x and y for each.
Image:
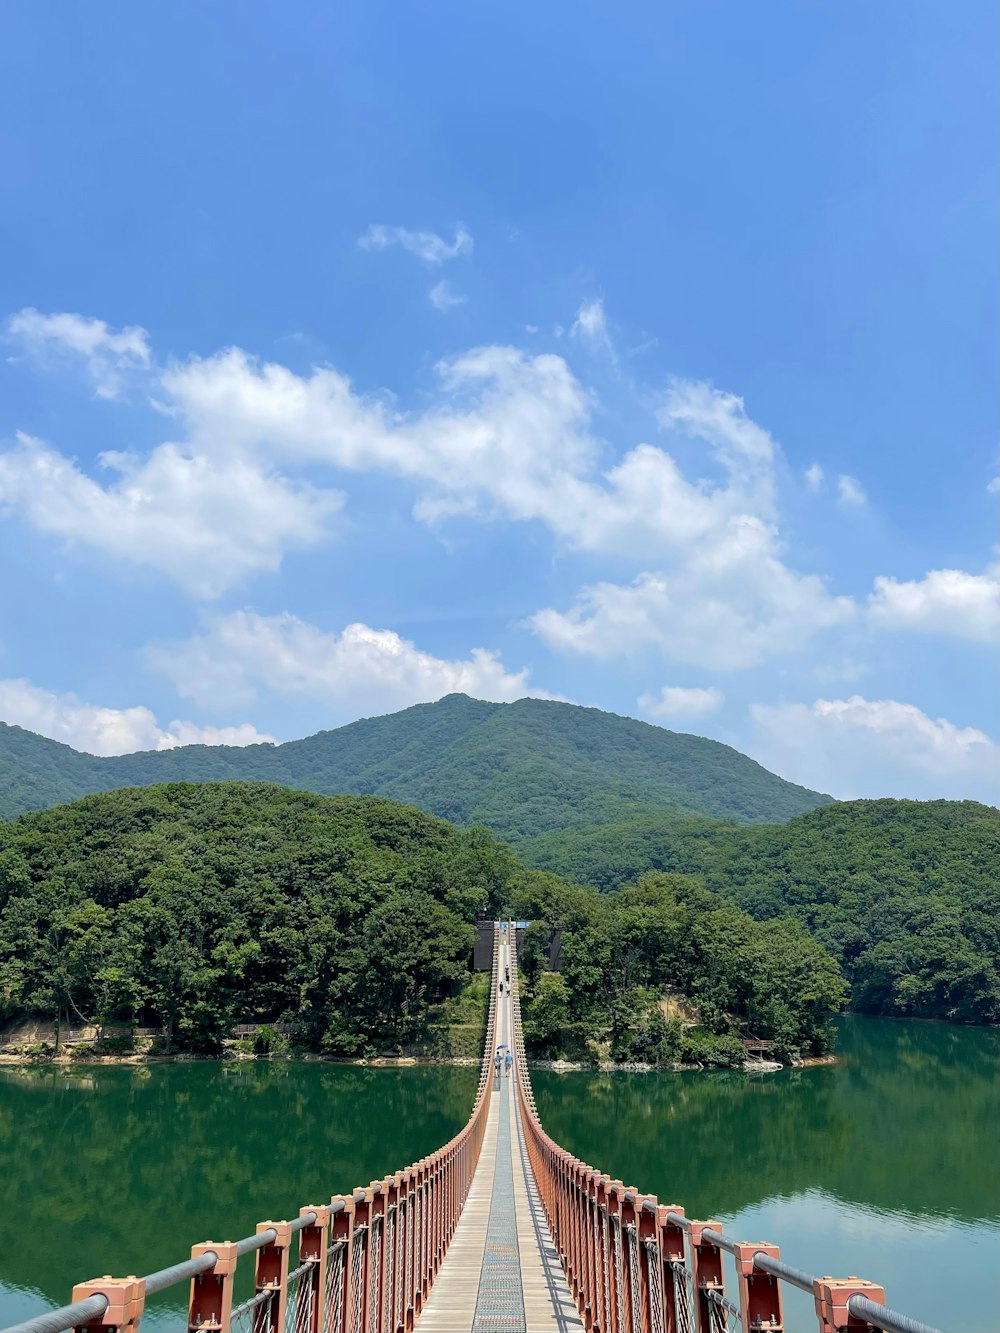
(814, 475)
(505, 435)
(679, 701)
(104, 731)
(851, 492)
(993, 486)
(426, 245)
(944, 601)
(590, 327)
(107, 354)
(509, 434)
(358, 670)
(730, 604)
(444, 297)
(719, 418)
(205, 521)
(862, 748)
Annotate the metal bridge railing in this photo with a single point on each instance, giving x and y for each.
(365, 1262)
(635, 1265)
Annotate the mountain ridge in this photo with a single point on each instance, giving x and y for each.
(521, 768)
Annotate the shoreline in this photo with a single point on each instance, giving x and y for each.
(14, 1060)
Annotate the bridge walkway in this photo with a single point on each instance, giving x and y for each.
(501, 1270)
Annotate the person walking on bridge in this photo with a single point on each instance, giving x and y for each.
(497, 1061)
(508, 1064)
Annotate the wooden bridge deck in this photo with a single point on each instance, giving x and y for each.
(501, 1270)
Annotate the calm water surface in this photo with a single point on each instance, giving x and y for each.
(886, 1164)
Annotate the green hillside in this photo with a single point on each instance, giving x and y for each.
(192, 907)
(522, 769)
(903, 893)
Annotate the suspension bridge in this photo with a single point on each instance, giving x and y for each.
(500, 1229)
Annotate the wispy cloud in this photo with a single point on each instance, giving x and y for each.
(682, 702)
(444, 297)
(427, 246)
(814, 476)
(107, 354)
(590, 327)
(851, 492)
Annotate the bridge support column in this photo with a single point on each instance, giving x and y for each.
(313, 1246)
(671, 1251)
(125, 1296)
(272, 1275)
(210, 1303)
(650, 1314)
(760, 1293)
(616, 1247)
(420, 1238)
(706, 1273)
(341, 1252)
(375, 1275)
(832, 1295)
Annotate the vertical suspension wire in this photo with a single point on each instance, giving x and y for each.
(374, 1273)
(412, 1221)
(654, 1274)
(399, 1285)
(389, 1266)
(333, 1299)
(635, 1294)
(683, 1295)
(298, 1298)
(619, 1272)
(357, 1279)
(605, 1269)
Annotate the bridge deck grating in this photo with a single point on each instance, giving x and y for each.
(501, 1271)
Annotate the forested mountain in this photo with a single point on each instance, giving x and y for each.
(904, 894)
(196, 906)
(521, 769)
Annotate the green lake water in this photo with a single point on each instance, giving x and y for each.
(886, 1164)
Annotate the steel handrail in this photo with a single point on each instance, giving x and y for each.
(94, 1306)
(573, 1211)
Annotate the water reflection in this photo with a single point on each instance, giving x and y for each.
(886, 1163)
(124, 1168)
(906, 1122)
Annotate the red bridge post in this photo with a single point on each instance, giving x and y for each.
(342, 1251)
(706, 1273)
(272, 1275)
(313, 1245)
(210, 1303)
(832, 1295)
(760, 1293)
(125, 1296)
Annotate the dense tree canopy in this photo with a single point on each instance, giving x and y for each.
(621, 953)
(903, 893)
(199, 906)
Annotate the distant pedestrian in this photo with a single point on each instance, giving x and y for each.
(506, 976)
(501, 988)
(496, 1062)
(508, 1064)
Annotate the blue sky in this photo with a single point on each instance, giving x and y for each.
(641, 356)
